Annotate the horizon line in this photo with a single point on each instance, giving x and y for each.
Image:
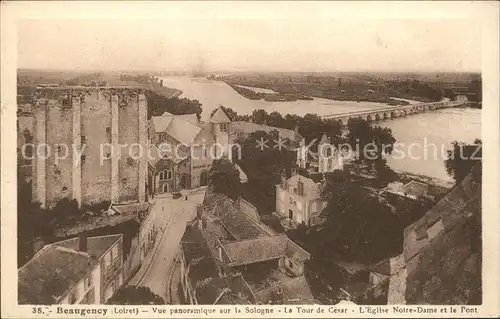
(153, 70)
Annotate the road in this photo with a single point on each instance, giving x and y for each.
(174, 213)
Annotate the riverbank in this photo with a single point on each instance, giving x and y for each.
(406, 177)
(269, 97)
(287, 92)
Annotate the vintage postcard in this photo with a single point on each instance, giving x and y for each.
(244, 159)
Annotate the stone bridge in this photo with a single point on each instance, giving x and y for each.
(392, 111)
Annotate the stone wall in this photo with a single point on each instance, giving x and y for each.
(59, 163)
(128, 122)
(96, 171)
(83, 121)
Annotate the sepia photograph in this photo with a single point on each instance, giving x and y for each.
(257, 160)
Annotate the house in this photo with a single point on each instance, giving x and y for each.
(327, 160)
(228, 257)
(79, 270)
(182, 150)
(298, 200)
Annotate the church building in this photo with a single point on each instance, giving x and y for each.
(182, 150)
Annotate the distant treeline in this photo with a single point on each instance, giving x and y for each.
(86, 80)
(159, 104)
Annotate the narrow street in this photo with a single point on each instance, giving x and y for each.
(172, 215)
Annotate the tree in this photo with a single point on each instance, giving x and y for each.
(372, 141)
(259, 116)
(66, 210)
(462, 157)
(225, 178)
(130, 295)
(385, 174)
(263, 168)
(159, 104)
(361, 227)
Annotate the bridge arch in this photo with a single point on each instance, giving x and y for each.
(341, 123)
(369, 118)
(386, 116)
(394, 114)
(377, 117)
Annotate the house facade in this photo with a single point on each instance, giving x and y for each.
(79, 270)
(182, 150)
(298, 200)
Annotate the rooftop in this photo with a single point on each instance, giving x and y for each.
(442, 250)
(242, 242)
(220, 117)
(57, 268)
(311, 188)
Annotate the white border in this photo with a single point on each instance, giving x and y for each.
(485, 12)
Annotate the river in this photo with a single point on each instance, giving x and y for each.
(423, 138)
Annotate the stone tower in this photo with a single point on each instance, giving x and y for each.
(220, 129)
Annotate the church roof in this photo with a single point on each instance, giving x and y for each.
(160, 123)
(220, 117)
(324, 140)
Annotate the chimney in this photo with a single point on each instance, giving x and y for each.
(219, 250)
(283, 180)
(82, 242)
(202, 223)
(199, 210)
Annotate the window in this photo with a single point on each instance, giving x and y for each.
(107, 261)
(108, 129)
(87, 282)
(83, 139)
(73, 297)
(82, 158)
(114, 252)
(169, 174)
(59, 149)
(162, 175)
(223, 127)
(89, 297)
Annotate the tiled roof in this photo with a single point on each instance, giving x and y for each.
(324, 140)
(96, 246)
(51, 273)
(183, 131)
(256, 250)
(444, 267)
(198, 256)
(205, 136)
(293, 291)
(222, 291)
(155, 155)
(160, 123)
(219, 117)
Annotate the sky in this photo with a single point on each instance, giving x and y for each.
(258, 42)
